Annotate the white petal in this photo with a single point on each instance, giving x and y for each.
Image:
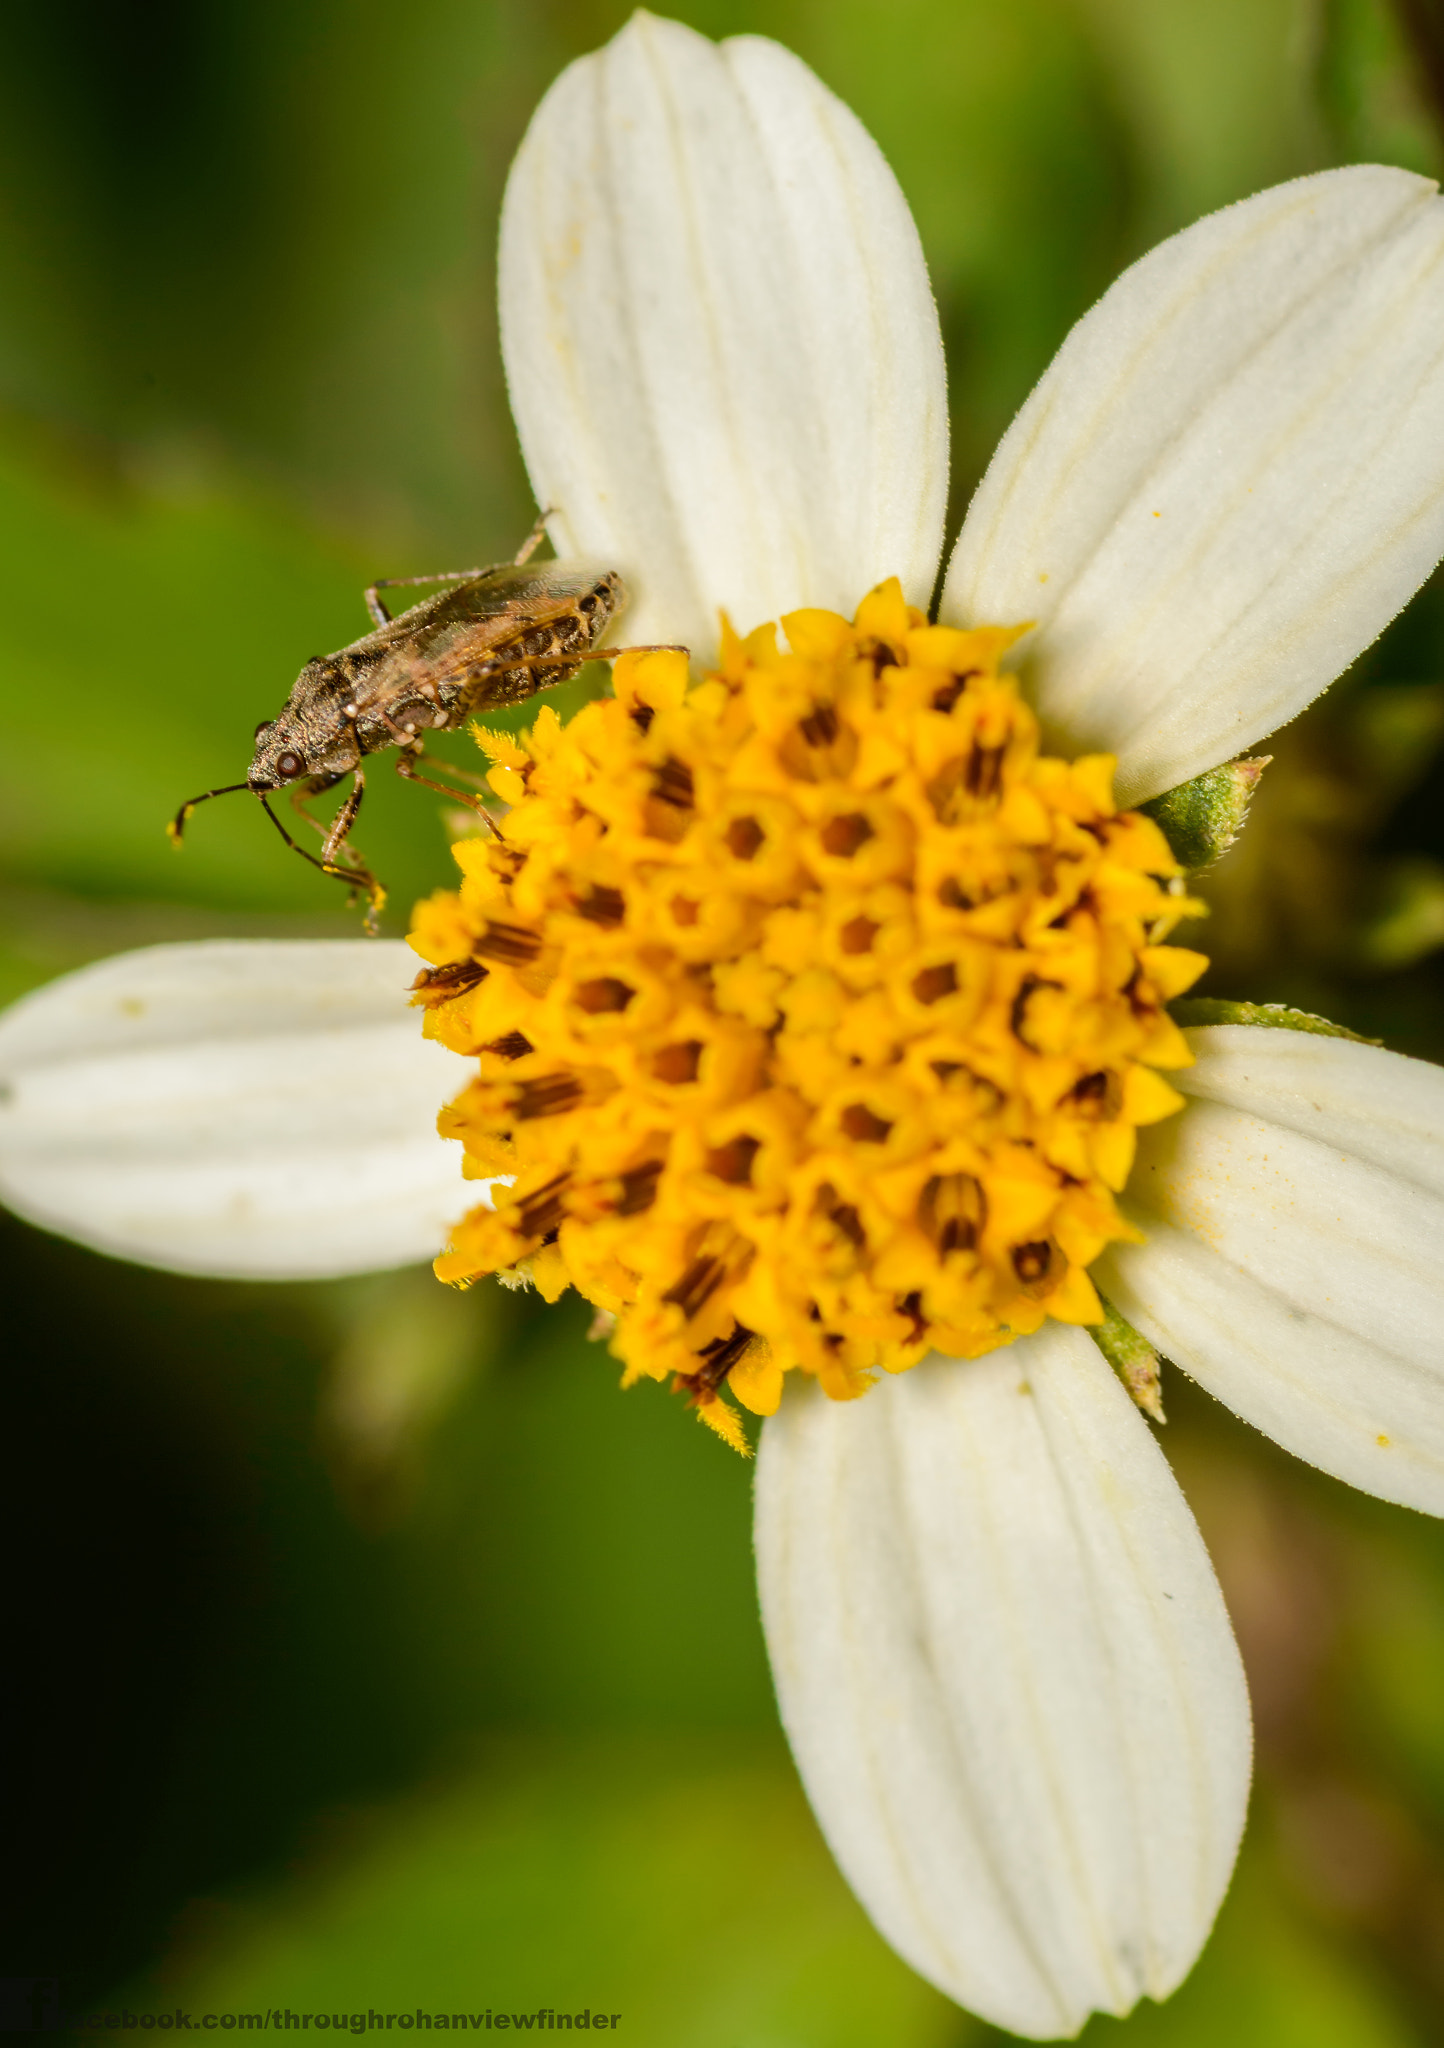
(1230, 479)
(721, 344)
(1294, 1262)
(1008, 1678)
(263, 1110)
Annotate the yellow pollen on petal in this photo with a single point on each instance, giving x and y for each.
(814, 1009)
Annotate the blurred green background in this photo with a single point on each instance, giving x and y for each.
(368, 1647)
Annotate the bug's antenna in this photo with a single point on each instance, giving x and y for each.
(178, 823)
(357, 878)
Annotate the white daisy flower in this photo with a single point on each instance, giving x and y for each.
(1000, 1651)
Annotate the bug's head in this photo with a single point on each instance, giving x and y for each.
(313, 734)
(280, 755)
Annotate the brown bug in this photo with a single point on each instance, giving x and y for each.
(496, 637)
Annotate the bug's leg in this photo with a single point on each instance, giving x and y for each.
(466, 775)
(570, 663)
(357, 877)
(528, 548)
(299, 792)
(378, 610)
(416, 752)
(562, 667)
(344, 819)
(406, 768)
(534, 539)
(340, 857)
(412, 750)
(650, 647)
(565, 665)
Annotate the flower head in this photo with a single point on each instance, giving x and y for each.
(816, 1010)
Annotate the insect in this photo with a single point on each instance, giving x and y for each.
(496, 637)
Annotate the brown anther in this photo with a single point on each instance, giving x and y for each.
(857, 935)
(945, 698)
(842, 1215)
(639, 1188)
(672, 784)
(670, 805)
(717, 1360)
(732, 1162)
(684, 911)
(952, 1209)
(548, 1095)
(1018, 1016)
(603, 997)
(859, 1124)
(511, 945)
(439, 984)
(936, 982)
(952, 892)
(642, 716)
(911, 1306)
(1039, 1266)
(602, 906)
(880, 655)
(957, 1074)
(1097, 1095)
(743, 837)
(676, 1064)
(1133, 990)
(820, 747)
(842, 837)
(696, 1287)
(544, 1209)
(983, 774)
(820, 727)
(513, 1045)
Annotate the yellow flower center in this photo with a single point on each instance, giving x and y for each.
(815, 1009)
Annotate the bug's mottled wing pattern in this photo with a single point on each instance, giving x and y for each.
(493, 640)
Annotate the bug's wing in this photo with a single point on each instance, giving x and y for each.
(501, 604)
(543, 590)
(478, 625)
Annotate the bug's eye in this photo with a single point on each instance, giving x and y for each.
(289, 764)
(264, 726)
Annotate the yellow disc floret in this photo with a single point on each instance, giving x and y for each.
(815, 1009)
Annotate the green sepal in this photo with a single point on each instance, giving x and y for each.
(1201, 819)
(1132, 1357)
(1268, 1016)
